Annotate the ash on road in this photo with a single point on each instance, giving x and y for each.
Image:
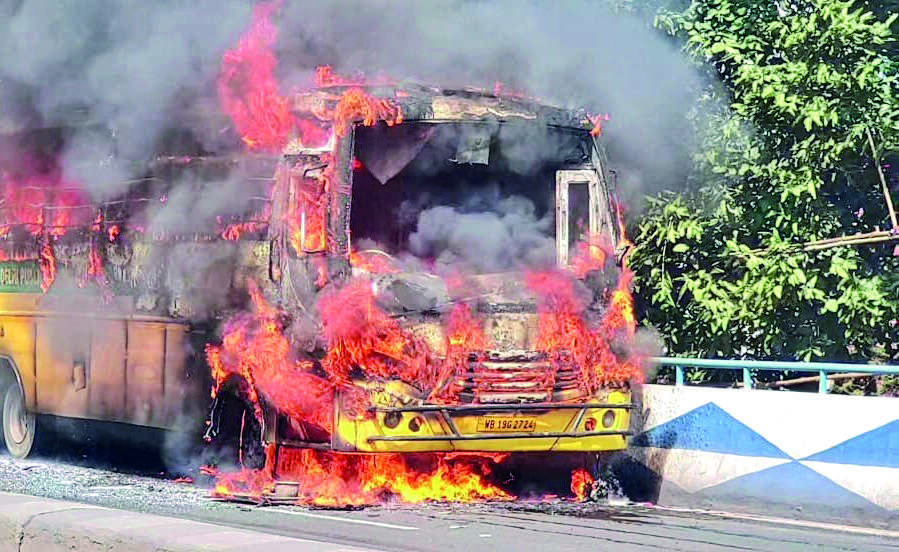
(515, 526)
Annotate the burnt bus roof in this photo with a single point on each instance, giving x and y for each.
(429, 104)
(418, 103)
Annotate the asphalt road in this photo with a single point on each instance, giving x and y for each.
(515, 526)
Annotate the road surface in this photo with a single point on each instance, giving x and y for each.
(514, 526)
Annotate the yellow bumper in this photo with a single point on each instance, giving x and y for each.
(601, 424)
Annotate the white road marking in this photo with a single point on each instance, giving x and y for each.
(345, 519)
(786, 521)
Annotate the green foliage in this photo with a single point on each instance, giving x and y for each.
(890, 386)
(784, 160)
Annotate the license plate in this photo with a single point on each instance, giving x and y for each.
(506, 424)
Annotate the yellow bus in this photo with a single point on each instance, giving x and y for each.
(126, 344)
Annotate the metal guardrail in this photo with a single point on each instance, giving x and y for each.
(747, 366)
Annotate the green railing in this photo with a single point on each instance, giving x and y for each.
(748, 366)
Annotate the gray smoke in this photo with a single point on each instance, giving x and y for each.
(195, 205)
(136, 67)
(575, 53)
(121, 71)
(508, 237)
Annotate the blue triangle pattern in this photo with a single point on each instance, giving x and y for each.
(878, 447)
(711, 429)
(789, 485)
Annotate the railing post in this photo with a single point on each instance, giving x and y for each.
(822, 381)
(678, 375)
(747, 378)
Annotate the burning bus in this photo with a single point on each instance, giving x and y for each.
(350, 343)
(372, 271)
(453, 352)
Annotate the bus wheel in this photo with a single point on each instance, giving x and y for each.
(19, 426)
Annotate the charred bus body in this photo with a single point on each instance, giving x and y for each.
(124, 342)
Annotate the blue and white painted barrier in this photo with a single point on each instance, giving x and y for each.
(832, 457)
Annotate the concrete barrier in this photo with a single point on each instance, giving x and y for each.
(811, 456)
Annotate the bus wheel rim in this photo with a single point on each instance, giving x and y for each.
(18, 422)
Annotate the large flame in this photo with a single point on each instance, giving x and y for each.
(359, 334)
(40, 201)
(255, 348)
(336, 480)
(248, 87)
(360, 337)
(464, 334)
(35, 197)
(568, 338)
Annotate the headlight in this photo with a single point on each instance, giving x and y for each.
(608, 419)
(416, 423)
(393, 419)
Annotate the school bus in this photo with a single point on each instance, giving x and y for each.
(126, 346)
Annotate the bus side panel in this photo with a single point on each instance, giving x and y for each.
(107, 371)
(63, 347)
(17, 343)
(182, 395)
(144, 374)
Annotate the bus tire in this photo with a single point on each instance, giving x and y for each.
(19, 425)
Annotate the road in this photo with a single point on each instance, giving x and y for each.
(514, 526)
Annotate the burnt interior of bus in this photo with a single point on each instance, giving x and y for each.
(415, 174)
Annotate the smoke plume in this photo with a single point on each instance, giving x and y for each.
(120, 72)
(135, 68)
(507, 237)
(573, 53)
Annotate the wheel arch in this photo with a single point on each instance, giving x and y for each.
(9, 375)
(237, 387)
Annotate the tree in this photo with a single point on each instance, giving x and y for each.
(794, 90)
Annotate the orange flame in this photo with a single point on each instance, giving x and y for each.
(356, 104)
(255, 348)
(581, 484)
(597, 122)
(40, 200)
(337, 480)
(590, 255)
(464, 334)
(248, 89)
(48, 266)
(359, 334)
(233, 232)
(309, 214)
(372, 262)
(326, 76)
(566, 336)
(95, 269)
(361, 339)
